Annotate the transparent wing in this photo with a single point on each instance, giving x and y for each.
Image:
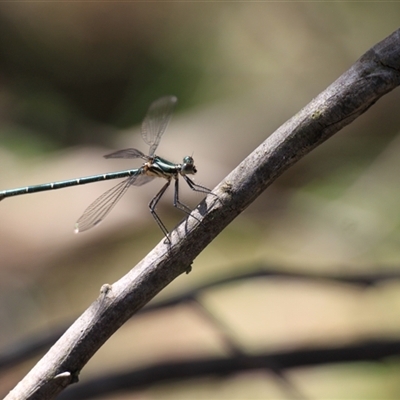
(156, 121)
(100, 208)
(142, 179)
(127, 153)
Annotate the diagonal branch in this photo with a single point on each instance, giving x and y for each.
(376, 73)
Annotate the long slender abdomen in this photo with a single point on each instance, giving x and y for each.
(71, 182)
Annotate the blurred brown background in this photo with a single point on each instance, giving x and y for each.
(75, 82)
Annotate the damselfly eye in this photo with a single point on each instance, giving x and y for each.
(188, 160)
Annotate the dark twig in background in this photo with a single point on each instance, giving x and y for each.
(276, 362)
(33, 345)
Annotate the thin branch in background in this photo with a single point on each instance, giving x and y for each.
(33, 345)
(223, 331)
(282, 361)
(376, 73)
(227, 337)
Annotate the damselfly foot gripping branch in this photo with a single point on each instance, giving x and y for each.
(153, 127)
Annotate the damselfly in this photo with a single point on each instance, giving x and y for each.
(153, 127)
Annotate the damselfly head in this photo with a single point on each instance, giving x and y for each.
(188, 166)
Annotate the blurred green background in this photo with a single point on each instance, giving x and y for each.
(76, 81)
